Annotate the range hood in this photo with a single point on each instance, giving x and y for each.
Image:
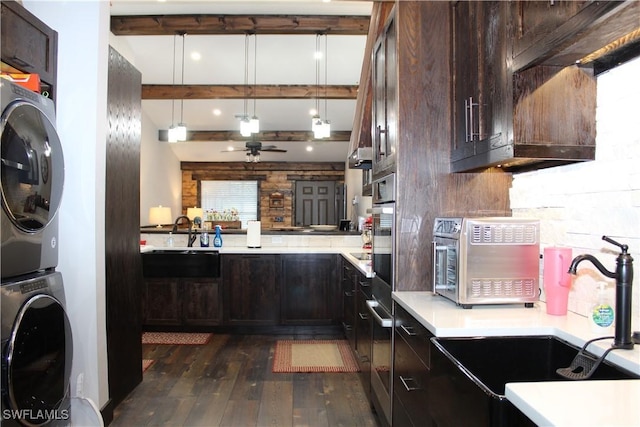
(361, 158)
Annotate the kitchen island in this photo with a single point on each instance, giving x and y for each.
(558, 403)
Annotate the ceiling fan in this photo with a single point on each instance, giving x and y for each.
(253, 149)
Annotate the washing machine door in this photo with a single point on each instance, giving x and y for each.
(32, 166)
(38, 362)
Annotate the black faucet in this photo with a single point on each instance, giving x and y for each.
(624, 279)
(190, 238)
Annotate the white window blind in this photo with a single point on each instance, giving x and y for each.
(223, 196)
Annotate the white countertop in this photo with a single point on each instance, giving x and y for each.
(363, 265)
(558, 403)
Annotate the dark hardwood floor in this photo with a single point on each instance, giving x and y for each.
(229, 382)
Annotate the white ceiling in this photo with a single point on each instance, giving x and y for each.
(281, 59)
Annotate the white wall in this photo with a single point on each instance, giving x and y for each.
(160, 174)
(580, 203)
(83, 29)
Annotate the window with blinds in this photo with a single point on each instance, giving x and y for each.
(224, 196)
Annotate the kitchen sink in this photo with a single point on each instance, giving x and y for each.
(181, 263)
(468, 376)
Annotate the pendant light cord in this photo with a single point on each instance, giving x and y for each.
(326, 60)
(246, 73)
(255, 71)
(182, 80)
(173, 80)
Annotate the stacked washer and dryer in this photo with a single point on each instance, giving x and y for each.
(37, 346)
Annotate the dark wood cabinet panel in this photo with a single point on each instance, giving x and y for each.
(411, 365)
(482, 88)
(251, 291)
(28, 44)
(310, 289)
(201, 302)
(364, 337)
(349, 291)
(161, 302)
(384, 127)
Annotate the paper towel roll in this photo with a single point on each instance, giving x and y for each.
(253, 234)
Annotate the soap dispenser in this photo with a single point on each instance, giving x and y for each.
(217, 240)
(601, 315)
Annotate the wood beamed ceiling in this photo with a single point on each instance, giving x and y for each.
(139, 25)
(151, 91)
(244, 24)
(266, 136)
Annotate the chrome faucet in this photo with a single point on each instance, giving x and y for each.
(624, 280)
(190, 238)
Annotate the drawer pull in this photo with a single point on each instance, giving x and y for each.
(408, 330)
(348, 293)
(407, 381)
(365, 284)
(363, 316)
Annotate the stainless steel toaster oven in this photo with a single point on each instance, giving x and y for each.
(486, 260)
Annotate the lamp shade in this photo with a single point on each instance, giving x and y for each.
(194, 212)
(160, 215)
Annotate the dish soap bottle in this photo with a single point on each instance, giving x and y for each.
(204, 238)
(217, 240)
(601, 315)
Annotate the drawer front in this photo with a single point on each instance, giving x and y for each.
(410, 383)
(416, 335)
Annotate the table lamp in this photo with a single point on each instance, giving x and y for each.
(160, 215)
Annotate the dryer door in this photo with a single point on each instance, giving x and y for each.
(38, 362)
(32, 166)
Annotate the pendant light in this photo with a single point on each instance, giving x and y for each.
(316, 122)
(177, 133)
(326, 125)
(181, 129)
(173, 134)
(254, 123)
(249, 126)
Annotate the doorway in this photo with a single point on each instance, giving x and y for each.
(318, 202)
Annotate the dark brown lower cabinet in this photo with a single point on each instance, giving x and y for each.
(251, 289)
(411, 365)
(181, 302)
(349, 292)
(310, 289)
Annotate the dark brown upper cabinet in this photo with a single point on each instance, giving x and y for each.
(561, 32)
(482, 90)
(384, 127)
(28, 45)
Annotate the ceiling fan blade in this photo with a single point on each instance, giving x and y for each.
(233, 150)
(274, 150)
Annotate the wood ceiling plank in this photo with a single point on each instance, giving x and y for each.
(249, 91)
(138, 25)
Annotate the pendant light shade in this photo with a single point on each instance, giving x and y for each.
(320, 128)
(249, 126)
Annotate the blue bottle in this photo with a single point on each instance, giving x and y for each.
(217, 240)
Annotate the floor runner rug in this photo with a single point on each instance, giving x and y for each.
(175, 338)
(314, 356)
(146, 364)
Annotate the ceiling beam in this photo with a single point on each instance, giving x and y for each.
(265, 136)
(139, 25)
(249, 91)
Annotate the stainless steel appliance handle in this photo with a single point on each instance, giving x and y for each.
(433, 266)
(386, 322)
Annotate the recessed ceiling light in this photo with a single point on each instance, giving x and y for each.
(216, 112)
(309, 148)
(313, 112)
(230, 148)
(196, 56)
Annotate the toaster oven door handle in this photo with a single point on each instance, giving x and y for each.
(384, 322)
(433, 267)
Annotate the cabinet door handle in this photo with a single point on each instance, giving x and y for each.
(469, 122)
(365, 284)
(407, 381)
(348, 293)
(408, 330)
(363, 316)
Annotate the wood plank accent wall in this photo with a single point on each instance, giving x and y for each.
(272, 176)
(426, 188)
(122, 228)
